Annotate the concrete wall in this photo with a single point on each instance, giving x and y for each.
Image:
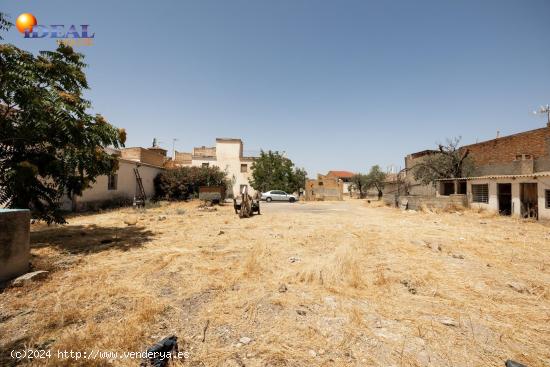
(14, 242)
(126, 186)
(416, 202)
(543, 183)
(416, 188)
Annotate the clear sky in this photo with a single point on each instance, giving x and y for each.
(335, 84)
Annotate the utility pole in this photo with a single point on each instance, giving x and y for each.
(544, 110)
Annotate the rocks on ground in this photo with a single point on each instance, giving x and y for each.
(29, 278)
(245, 340)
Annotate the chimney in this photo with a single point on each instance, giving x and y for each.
(498, 134)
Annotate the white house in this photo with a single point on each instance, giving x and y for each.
(228, 156)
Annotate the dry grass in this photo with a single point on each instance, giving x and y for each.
(365, 285)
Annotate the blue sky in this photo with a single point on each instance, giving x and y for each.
(335, 84)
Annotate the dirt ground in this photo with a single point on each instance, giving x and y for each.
(304, 284)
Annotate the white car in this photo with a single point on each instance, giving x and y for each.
(277, 195)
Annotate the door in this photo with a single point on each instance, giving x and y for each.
(504, 192)
(529, 200)
(280, 196)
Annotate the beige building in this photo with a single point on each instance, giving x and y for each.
(228, 156)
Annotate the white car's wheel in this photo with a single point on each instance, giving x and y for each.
(268, 199)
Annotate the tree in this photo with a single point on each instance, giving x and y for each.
(449, 161)
(49, 144)
(376, 179)
(299, 182)
(184, 182)
(5, 24)
(359, 182)
(273, 171)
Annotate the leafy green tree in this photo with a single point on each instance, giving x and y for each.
(49, 144)
(300, 178)
(273, 171)
(376, 179)
(183, 183)
(359, 183)
(449, 161)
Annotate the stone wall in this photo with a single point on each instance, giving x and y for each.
(14, 243)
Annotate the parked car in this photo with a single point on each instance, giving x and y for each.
(277, 195)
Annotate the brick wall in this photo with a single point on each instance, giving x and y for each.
(504, 150)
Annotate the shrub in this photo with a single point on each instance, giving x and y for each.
(183, 183)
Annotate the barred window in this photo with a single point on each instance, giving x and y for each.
(547, 197)
(480, 193)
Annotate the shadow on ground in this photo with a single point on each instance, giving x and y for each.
(90, 238)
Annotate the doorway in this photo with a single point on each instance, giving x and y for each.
(529, 200)
(504, 191)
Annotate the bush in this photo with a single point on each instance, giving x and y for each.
(183, 183)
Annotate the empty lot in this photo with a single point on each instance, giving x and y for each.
(315, 284)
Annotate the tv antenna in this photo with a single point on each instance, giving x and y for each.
(174, 148)
(544, 110)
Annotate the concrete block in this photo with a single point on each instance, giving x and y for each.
(14, 243)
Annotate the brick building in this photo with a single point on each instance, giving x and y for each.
(523, 153)
(344, 176)
(512, 175)
(324, 188)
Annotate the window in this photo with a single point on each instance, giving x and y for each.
(447, 188)
(480, 193)
(244, 167)
(112, 182)
(547, 198)
(205, 165)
